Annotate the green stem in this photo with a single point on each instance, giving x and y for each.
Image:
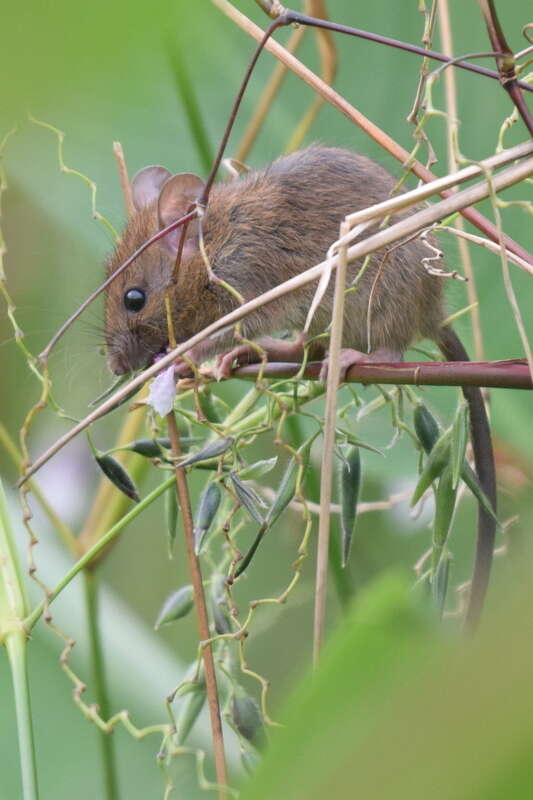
(107, 748)
(16, 650)
(108, 537)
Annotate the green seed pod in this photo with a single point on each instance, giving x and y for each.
(257, 470)
(209, 410)
(150, 448)
(471, 480)
(116, 473)
(445, 498)
(250, 760)
(247, 497)
(426, 427)
(211, 450)
(440, 581)
(437, 459)
(221, 619)
(207, 509)
(284, 495)
(246, 717)
(175, 607)
(189, 715)
(350, 485)
(171, 516)
(458, 444)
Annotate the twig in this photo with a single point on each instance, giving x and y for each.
(201, 610)
(452, 125)
(509, 374)
(328, 446)
(505, 62)
(406, 227)
(355, 116)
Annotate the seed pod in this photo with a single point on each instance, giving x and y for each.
(221, 619)
(189, 715)
(458, 444)
(207, 509)
(350, 484)
(445, 498)
(211, 450)
(250, 760)
(438, 457)
(284, 495)
(257, 470)
(247, 497)
(246, 717)
(471, 480)
(175, 607)
(116, 473)
(205, 400)
(440, 582)
(150, 448)
(426, 427)
(171, 516)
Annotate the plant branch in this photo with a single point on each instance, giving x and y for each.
(505, 61)
(509, 374)
(182, 493)
(16, 649)
(328, 446)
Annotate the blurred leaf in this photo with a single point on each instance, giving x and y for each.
(175, 607)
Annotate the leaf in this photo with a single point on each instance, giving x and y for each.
(459, 442)
(437, 459)
(116, 473)
(257, 470)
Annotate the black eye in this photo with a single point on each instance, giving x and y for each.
(134, 299)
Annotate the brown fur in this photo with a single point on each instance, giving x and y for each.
(260, 230)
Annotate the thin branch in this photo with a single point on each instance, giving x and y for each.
(505, 62)
(509, 374)
(182, 493)
(124, 179)
(452, 127)
(406, 227)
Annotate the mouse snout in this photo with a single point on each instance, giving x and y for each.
(126, 353)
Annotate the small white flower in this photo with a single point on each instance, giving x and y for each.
(163, 392)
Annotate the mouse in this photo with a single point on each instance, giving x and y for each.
(256, 232)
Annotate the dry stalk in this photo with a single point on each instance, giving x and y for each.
(330, 421)
(452, 126)
(406, 227)
(182, 493)
(124, 180)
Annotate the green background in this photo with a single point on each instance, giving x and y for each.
(104, 72)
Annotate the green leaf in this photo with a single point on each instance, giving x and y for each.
(211, 450)
(459, 442)
(438, 458)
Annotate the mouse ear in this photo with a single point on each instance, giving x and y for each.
(146, 185)
(175, 198)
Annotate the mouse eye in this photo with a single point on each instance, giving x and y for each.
(134, 299)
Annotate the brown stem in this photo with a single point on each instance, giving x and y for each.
(505, 62)
(182, 493)
(510, 374)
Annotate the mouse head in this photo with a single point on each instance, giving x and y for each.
(136, 324)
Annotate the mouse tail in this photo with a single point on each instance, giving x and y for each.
(452, 348)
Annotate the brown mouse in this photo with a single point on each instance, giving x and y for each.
(259, 230)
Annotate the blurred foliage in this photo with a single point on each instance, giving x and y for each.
(105, 72)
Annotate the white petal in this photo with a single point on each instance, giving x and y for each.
(163, 392)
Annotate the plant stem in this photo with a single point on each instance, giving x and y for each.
(330, 419)
(16, 650)
(182, 493)
(88, 557)
(107, 747)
